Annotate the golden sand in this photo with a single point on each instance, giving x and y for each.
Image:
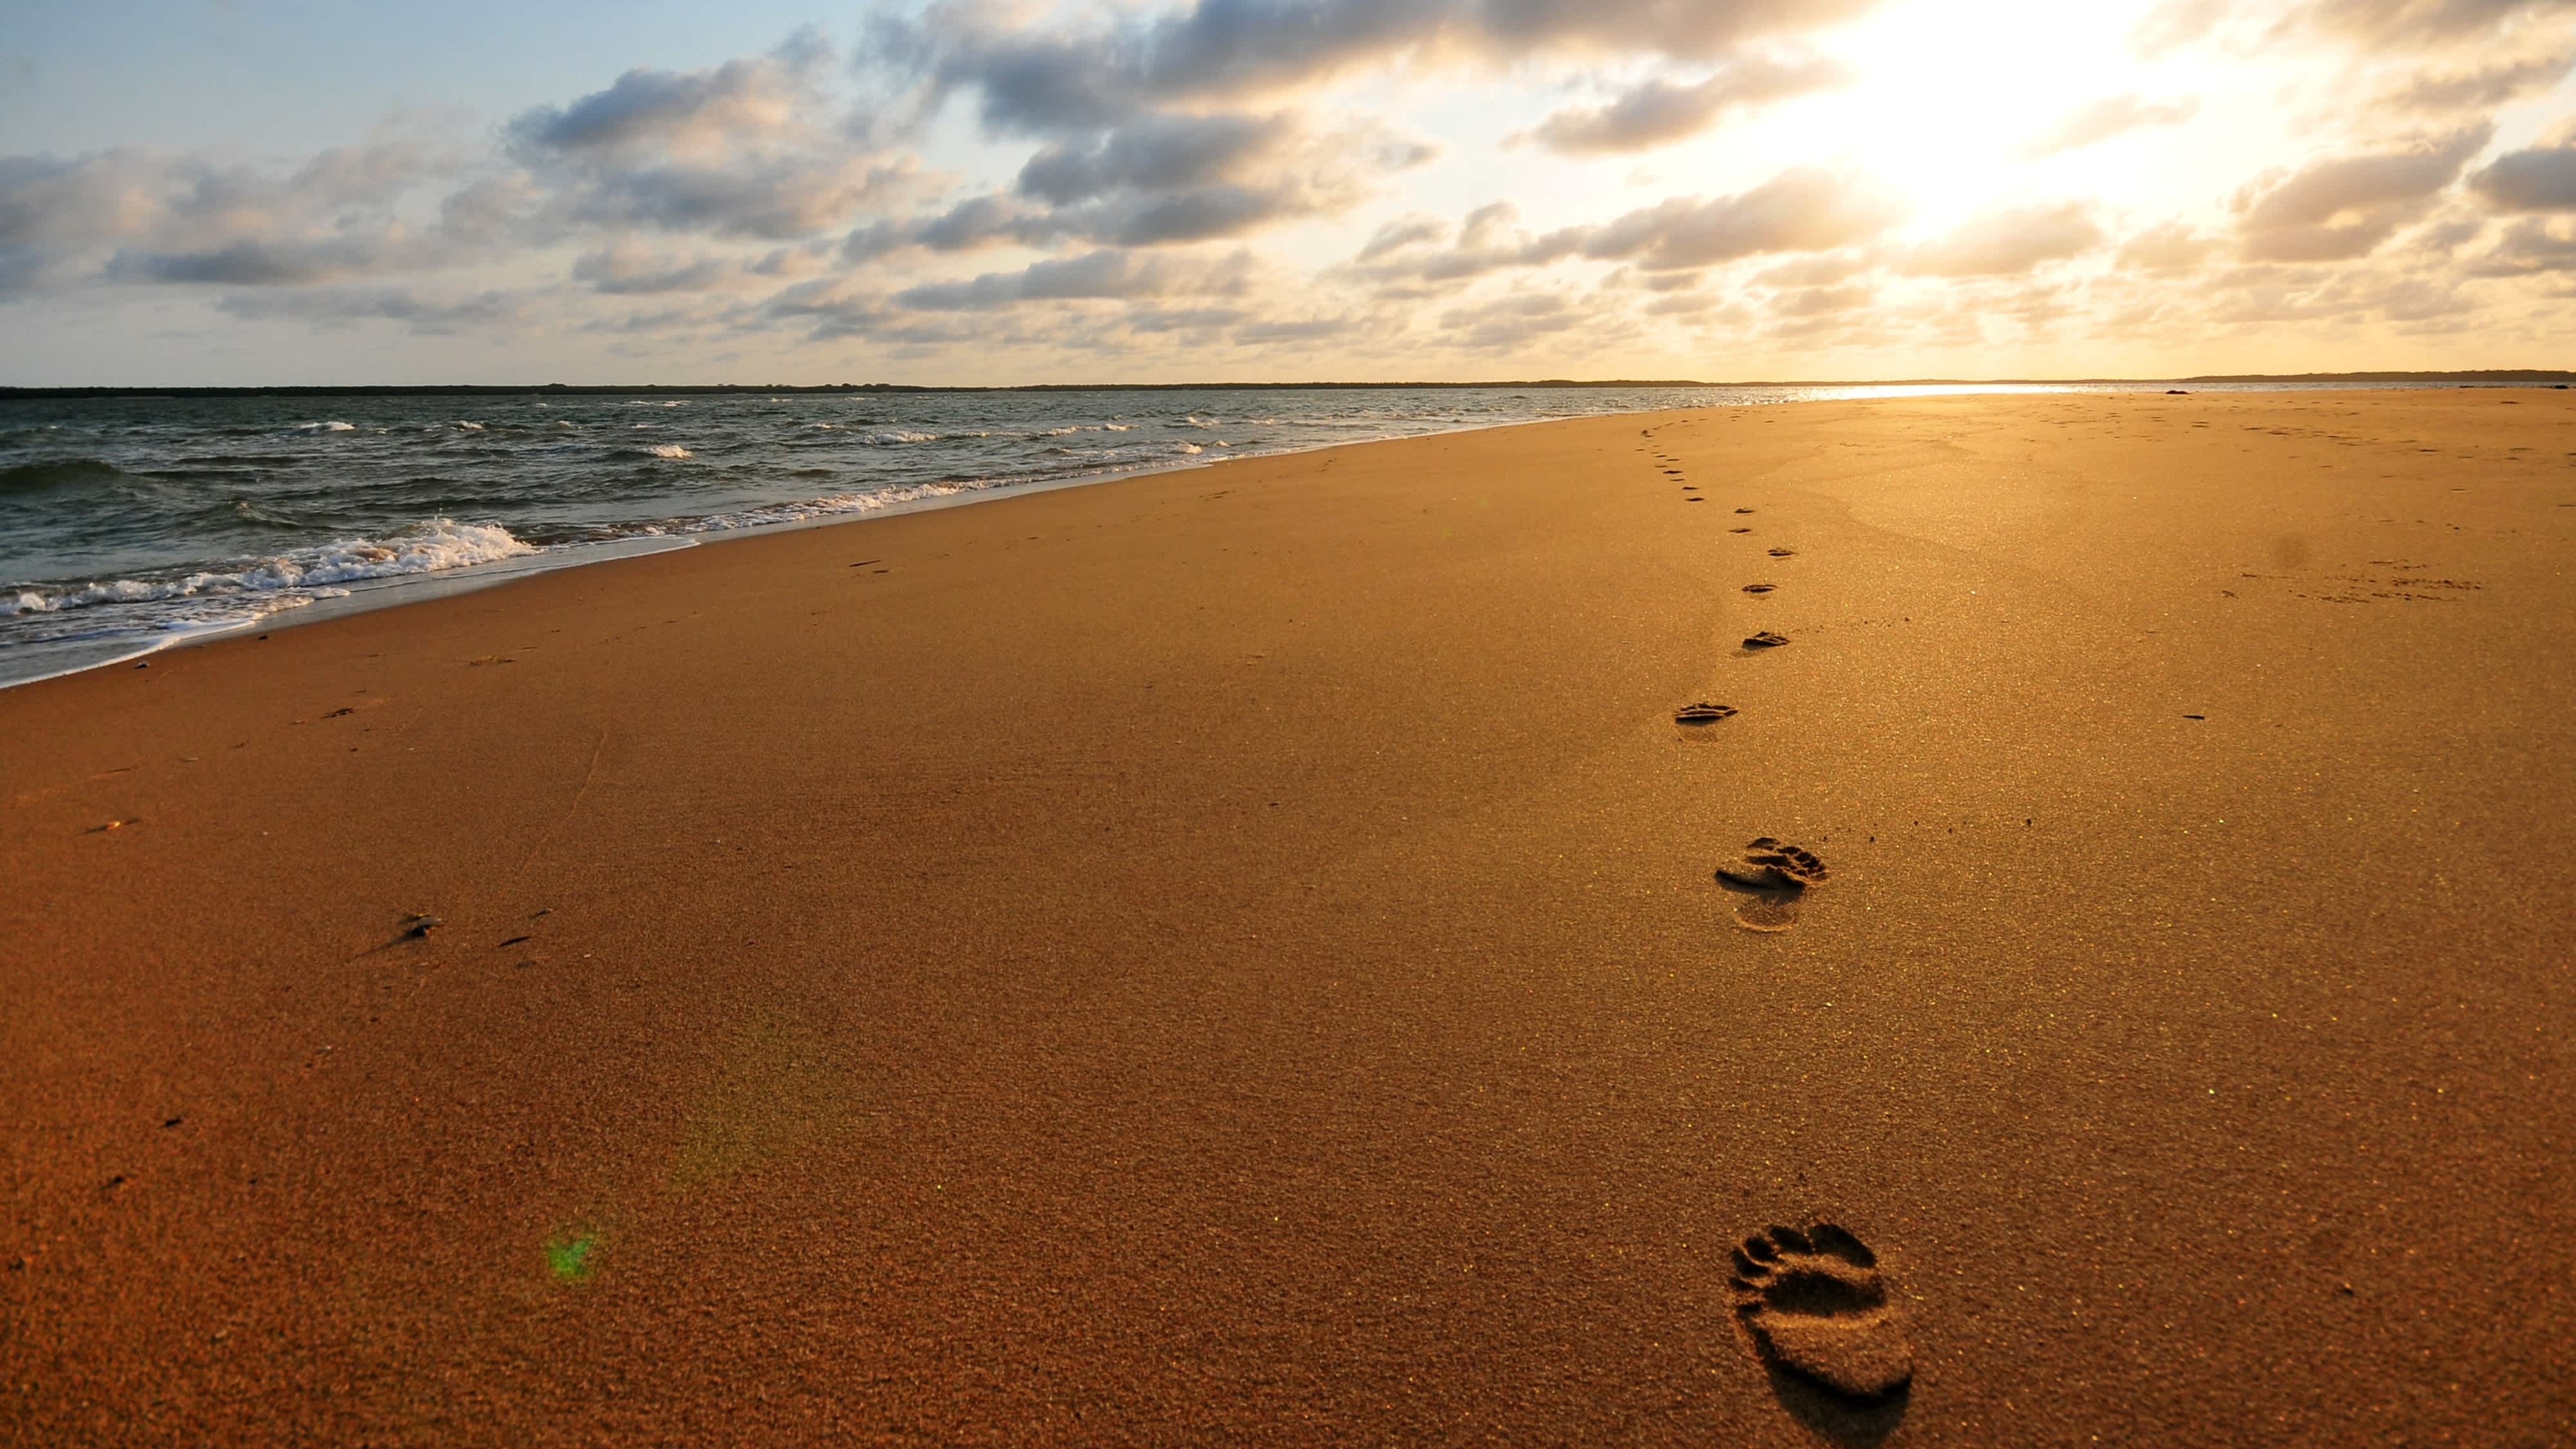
(1236, 957)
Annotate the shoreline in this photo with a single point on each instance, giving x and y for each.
(2474, 377)
(1248, 955)
(399, 590)
(420, 588)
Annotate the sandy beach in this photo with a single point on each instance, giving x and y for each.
(1236, 956)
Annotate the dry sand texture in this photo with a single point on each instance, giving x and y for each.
(1237, 956)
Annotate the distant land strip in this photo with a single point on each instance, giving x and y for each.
(722, 389)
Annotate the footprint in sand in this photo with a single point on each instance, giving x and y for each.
(1766, 640)
(1784, 553)
(1817, 1306)
(1744, 510)
(1739, 530)
(1759, 588)
(1703, 714)
(1773, 877)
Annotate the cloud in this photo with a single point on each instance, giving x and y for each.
(2540, 179)
(2343, 207)
(710, 110)
(1515, 320)
(750, 148)
(431, 316)
(1153, 153)
(144, 216)
(252, 263)
(1045, 81)
(1814, 271)
(2397, 23)
(2480, 88)
(2103, 119)
(625, 268)
(2528, 247)
(1800, 210)
(776, 198)
(830, 309)
(1105, 274)
(1161, 180)
(2175, 24)
(2170, 246)
(1660, 112)
(2008, 242)
(1405, 231)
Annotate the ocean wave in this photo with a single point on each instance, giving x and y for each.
(329, 427)
(431, 546)
(64, 473)
(1188, 450)
(839, 503)
(672, 451)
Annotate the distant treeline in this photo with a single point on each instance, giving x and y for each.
(559, 389)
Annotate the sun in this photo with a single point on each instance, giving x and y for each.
(1947, 98)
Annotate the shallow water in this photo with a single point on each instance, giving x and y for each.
(128, 523)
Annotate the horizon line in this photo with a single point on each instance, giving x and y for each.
(145, 391)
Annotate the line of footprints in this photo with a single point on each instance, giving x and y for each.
(1812, 1299)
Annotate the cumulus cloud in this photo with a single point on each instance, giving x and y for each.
(2103, 119)
(2345, 206)
(696, 112)
(2175, 24)
(340, 307)
(1034, 81)
(2527, 247)
(2169, 246)
(1803, 209)
(2477, 88)
(2393, 23)
(1660, 112)
(750, 148)
(2008, 242)
(148, 216)
(1513, 321)
(1153, 153)
(1800, 210)
(1105, 274)
(1160, 180)
(2542, 178)
(627, 268)
(1405, 231)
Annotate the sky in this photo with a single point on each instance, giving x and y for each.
(230, 192)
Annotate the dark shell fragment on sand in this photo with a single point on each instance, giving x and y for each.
(1765, 640)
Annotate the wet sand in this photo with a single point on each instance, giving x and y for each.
(1237, 956)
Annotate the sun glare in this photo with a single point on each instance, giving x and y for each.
(1949, 98)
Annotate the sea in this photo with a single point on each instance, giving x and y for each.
(130, 524)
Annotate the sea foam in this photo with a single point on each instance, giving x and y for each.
(430, 546)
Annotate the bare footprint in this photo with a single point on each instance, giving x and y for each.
(1817, 1306)
(1765, 640)
(1770, 864)
(1773, 878)
(1703, 714)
